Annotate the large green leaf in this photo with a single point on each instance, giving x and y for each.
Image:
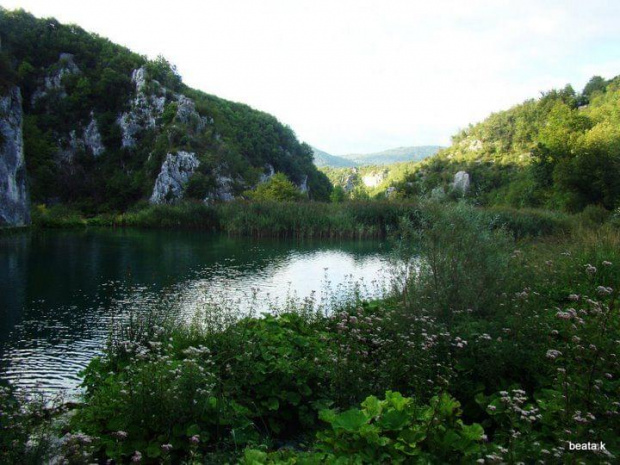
(153, 450)
(396, 400)
(372, 406)
(351, 420)
(393, 420)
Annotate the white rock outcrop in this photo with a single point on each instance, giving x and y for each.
(148, 105)
(174, 175)
(53, 81)
(303, 186)
(90, 141)
(14, 200)
(144, 110)
(349, 182)
(374, 179)
(92, 137)
(224, 191)
(268, 174)
(187, 114)
(461, 182)
(475, 145)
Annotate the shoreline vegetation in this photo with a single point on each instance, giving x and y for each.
(348, 220)
(499, 346)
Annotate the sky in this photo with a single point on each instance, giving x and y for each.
(362, 76)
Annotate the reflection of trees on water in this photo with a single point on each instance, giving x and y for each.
(13, 250)
(60, 288)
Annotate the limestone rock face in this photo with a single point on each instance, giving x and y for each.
(148, 105)
(268, 174)
(461, 182)
(187, 114)
(14, 200)
(224, 191)
(349, 182)
(90, 141)
(144, 110)
(53, 81)
(374, 179)
(303, 186)
(475, 145)
(174, 175)
(92, 137)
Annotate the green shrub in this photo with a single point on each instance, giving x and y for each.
(393, 430)
(57, 216)
(277, 189)
(396, 430)
(593, 216)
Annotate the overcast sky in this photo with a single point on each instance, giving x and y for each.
(362, 76)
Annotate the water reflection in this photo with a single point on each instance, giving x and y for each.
(61, 291)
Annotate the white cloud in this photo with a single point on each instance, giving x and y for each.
(352, 76)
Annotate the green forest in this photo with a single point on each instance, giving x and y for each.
(236, 140)
(560, 152)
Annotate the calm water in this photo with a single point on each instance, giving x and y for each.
(60, 292)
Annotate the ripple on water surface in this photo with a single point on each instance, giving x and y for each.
(57, 311)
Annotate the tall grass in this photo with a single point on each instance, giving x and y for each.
(371, 219)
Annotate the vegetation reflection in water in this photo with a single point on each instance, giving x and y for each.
(64, 291)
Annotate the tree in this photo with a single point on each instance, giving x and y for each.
(278, 188)
(164, 72)
(595, 84)
(338, 195)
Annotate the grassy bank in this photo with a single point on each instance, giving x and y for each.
(492, 352)
(372, 219)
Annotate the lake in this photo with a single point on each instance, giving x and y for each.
(61, 291)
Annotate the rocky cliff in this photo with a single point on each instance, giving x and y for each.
(104, 128)
(175, 172)
(14, 203)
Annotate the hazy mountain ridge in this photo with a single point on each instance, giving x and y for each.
(322, 159)
(384, 157)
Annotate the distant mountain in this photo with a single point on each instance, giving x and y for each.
(325, 159)
(396, 155)
(386, 157)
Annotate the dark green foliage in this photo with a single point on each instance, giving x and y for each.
(165, 73)
(199, 186)
(234, 140)
(39, 150)
(338, 195)
(396, 430)
(595, 84)
(7, 75)
(546, 153)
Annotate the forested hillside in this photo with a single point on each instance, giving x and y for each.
(101, 124)
(560, 151)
